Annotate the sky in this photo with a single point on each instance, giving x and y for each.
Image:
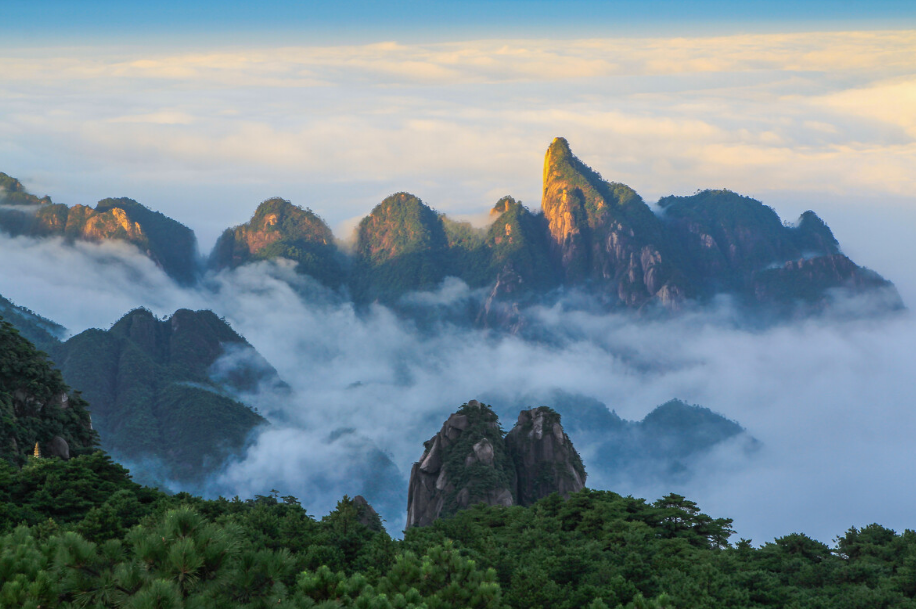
(202, 113)
(202, 110)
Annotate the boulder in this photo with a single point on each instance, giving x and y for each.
(57, 447)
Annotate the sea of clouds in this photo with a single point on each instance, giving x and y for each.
(830, 398)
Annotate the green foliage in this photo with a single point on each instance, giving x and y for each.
(479, 479)
(171, 244)
(280, 229)
(35, 403)
(91, 537)
(401, 246)
(12, 192)
(517, 239)
(153, 392)
(40, 331)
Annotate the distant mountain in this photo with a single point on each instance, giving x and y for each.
(12, 192)
(401, 246)
(36, 406)
(170, 244)
(167, 392)
(280, 229)
(662, 447)
(592, 235)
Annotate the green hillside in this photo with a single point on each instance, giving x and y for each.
(154, 394)
(280, 229)
(36, 406)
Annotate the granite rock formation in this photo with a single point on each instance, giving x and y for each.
(544, 457)
(470, 462)
(168, 243)
(280, 229)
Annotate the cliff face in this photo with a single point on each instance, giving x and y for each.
(170, 244)
(469, 462)
(605, 234)
(464, 464)
(168, 390)
(544, 457)
(281, 229)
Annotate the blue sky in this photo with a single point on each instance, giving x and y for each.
(287, 21)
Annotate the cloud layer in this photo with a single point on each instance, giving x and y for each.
(830, 400)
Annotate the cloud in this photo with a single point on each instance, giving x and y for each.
(338, 128)
(829, 399)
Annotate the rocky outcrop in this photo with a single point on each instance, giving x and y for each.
(605, 234)
(808, 281)
(470, 462)
(280, 229)
(170, 244)
(36, 406)
(57, 447)
(464, 464)
(544, 457)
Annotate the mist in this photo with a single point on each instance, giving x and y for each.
(829, 399)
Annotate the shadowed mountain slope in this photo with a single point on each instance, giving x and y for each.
(159, 391)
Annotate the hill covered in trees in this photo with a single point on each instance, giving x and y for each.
(76, 531)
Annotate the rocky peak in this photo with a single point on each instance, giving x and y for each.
(470, 462)
(544, 457)
(401, 246)
(464, 464)
(814, 235)
(12, 192)
(279, 229)
(170, 244)
(604, 232)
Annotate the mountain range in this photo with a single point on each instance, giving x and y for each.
(590, 234)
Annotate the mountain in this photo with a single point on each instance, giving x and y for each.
(168, 392)
(603, 234)
(42, 332)
(663, 447)
(36, 407)
(281, 229)
(470, 462)
(590, 236)
(401, 246)
(170, 244)
(12, 192)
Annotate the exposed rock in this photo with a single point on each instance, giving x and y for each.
(544, 457)
(57, 447)
(280, 229)
(170, 244)
(366, 514)
(401, 246)
(808, 281)
(464, 464)
(469, 462)
(605, 233)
